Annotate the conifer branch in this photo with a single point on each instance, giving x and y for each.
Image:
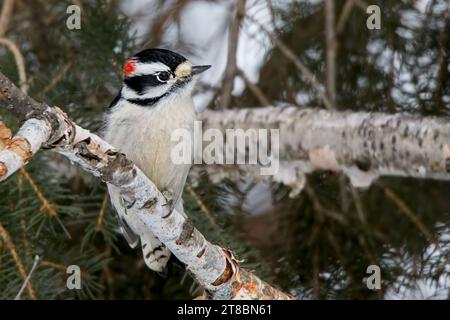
(20, 62)
(202, 206)
(58, 77)
(27, 279)
(4, 235)
(101, 213)
(46, 206)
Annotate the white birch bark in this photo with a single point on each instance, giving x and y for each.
(361, 144)
(28, 140)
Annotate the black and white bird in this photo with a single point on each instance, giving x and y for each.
(155, 100)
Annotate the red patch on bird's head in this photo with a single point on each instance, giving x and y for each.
(129, 67)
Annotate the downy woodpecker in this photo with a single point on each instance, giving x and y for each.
(155, 99)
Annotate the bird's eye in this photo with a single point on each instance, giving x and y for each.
(163, 76)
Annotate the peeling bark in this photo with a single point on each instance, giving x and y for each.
(361, 144)
(18, 151)
(212, 266)
(5, 135)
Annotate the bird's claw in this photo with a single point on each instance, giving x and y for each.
(168, 195)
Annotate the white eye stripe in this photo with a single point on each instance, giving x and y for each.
(149, 68)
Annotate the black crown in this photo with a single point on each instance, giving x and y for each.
(169, 58)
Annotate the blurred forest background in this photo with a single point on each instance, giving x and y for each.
(316, 245)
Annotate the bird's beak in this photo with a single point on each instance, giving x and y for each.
(199, 69)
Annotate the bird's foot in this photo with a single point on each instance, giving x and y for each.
(168, 195)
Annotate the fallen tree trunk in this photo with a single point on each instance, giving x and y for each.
(361, 144)
(213, 267)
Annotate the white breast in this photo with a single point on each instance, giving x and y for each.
(144, 135)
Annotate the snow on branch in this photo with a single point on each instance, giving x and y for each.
(213, 267)
(363, 145)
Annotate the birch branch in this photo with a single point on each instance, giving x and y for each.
(215, 268)
(23, 146)
(361, 144)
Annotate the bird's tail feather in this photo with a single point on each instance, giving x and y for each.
(156, 254)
